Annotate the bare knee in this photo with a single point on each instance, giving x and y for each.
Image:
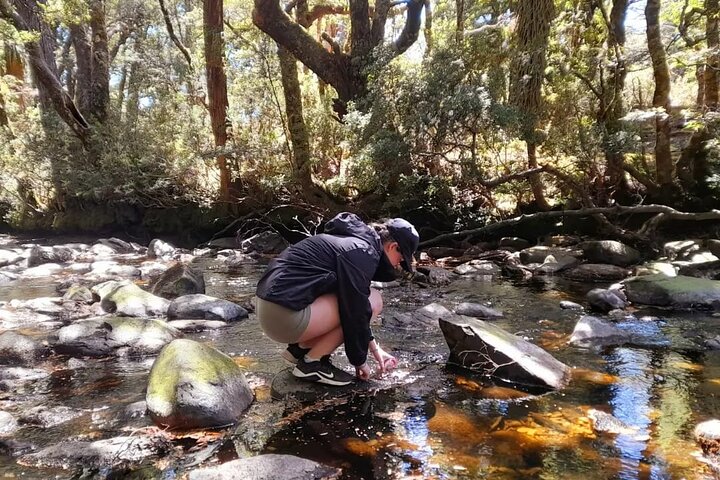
(376, 301)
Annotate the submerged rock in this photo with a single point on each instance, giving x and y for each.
(679, 291)
(425, 317)
(126, 298)
(267, 467)
(568, 305)
(177, 281)
(486, 348)
(607, 423)
(100, 337)
(205, 307)
(477, 310)
(593, 331)
(605, 300)
(478, 268)
(435, 275)
(197, 325)
(102, 453)
(46, 417)
(192, 385)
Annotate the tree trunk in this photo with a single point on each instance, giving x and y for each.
(296, 123)
(713, 59)
(700, 78)
(528, 70)
(217, 85)
(428, 28)
(132, 107)
(83, 66)
(611, 106)
(661, 96)
(100, 89)
(459, 21)
(15, 67)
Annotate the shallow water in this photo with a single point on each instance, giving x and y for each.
(438, 422)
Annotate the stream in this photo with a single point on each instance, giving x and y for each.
(428, 419)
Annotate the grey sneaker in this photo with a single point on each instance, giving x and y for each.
(322, 371)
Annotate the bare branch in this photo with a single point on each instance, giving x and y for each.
(333, 44)
(173, 37)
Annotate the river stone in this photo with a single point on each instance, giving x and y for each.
(682, 249)
(604, 300)
(8, 424)
(264, 242)
(117, 245)
(596, 272)
(160, 249)
(151, 269)
(714, 246)
(197, 325)
(568, 305)
(709, 270)
(9, 257)
(98, 337)
(192, 385)
(423, 318)
(40, 255)
(267, 467)
(593, 331)
(514, 243)
(477, 310)
(101, 453)
(205, 307)
(478, 267)
(609, 251)
(436, 275)
(223, 242)
(177, 281)
(44, 270)
(7, 277)
(707, 435)
(126, 298)
(540, 253)
(679, 292)
(46, 417)
(20, 349)
(110, 267)
(481, 346)
(78, 293)
(553, 264)
(651, 268)
(607, 423)
(42, 305)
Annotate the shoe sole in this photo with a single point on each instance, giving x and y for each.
(289, 358)
(317, 378)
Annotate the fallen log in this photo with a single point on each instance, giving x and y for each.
(643, 235)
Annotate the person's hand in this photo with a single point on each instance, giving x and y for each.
(386, 362)
(363, 372)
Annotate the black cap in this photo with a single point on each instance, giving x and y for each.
(407, 238)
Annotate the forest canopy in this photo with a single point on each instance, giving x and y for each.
(452, 114)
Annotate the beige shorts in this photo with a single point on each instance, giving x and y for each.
(279, 323)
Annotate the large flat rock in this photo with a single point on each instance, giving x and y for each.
(267, 467)
(483, 347)
(679, 291)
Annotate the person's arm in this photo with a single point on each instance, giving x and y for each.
(354, 271)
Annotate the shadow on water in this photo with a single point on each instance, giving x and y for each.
(447, 423)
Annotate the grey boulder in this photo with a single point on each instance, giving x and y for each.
(679, 291)
(160, 249)
(267, 467)
(423, 318)
(486, 348)
(41, 255)
(477, 310)
(264, 242)
(604, 300)
(609, 251)
(206, 308)
(596, 272)
(177, 281)
(595, 332)
(20, 349)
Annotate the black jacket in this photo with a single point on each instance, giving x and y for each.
(343, 260)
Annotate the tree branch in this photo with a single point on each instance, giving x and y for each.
(173, 37)
(494, 182)
(333, 44)
(411, 30)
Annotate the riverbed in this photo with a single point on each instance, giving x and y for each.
(427, 419)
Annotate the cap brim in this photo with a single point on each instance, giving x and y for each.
(406, 262)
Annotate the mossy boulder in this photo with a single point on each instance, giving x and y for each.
(126, 298)
(193, 385)
(679, 292)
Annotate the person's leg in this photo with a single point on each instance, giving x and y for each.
(323, 333)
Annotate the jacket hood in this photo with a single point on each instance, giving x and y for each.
(349, 225)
